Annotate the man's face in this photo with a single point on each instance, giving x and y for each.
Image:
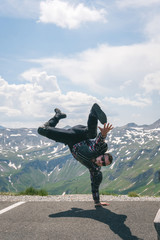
(101, 159)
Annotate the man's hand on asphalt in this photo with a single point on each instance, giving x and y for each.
(101, 204)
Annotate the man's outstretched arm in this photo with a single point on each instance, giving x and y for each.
(106, 128)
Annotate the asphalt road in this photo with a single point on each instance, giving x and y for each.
(78, 221)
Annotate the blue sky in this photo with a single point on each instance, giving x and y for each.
(70, 54)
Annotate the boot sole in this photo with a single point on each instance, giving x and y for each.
(100, 114)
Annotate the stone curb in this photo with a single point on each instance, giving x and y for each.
(75, 197)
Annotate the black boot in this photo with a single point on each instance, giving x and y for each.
(59, 115)
(54, 120)
(98, 113)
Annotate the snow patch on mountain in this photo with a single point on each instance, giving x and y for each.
(15, 135)
(12, 165)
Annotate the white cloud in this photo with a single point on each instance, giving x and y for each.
(33, 103)
(139, 102)
(105, 69)
(9, 112)
(152, 29)
(136, 3)
(115, 74)
(125, 84)
(152, 82)
(41, 79)
(28, 75)
(67, 15)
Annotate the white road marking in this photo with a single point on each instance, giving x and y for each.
(11, 207)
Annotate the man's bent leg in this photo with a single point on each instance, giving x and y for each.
(54, 120)
(92, 126)
(48, 129)
(96, 114)
(58, 134)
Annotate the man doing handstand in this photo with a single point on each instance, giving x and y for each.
(85, 145)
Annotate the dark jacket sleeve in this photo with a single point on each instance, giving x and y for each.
(96, 179)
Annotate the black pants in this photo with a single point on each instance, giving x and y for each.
(72, 135)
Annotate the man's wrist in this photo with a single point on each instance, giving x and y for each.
(104, 135)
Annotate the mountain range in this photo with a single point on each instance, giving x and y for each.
(28, 159)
